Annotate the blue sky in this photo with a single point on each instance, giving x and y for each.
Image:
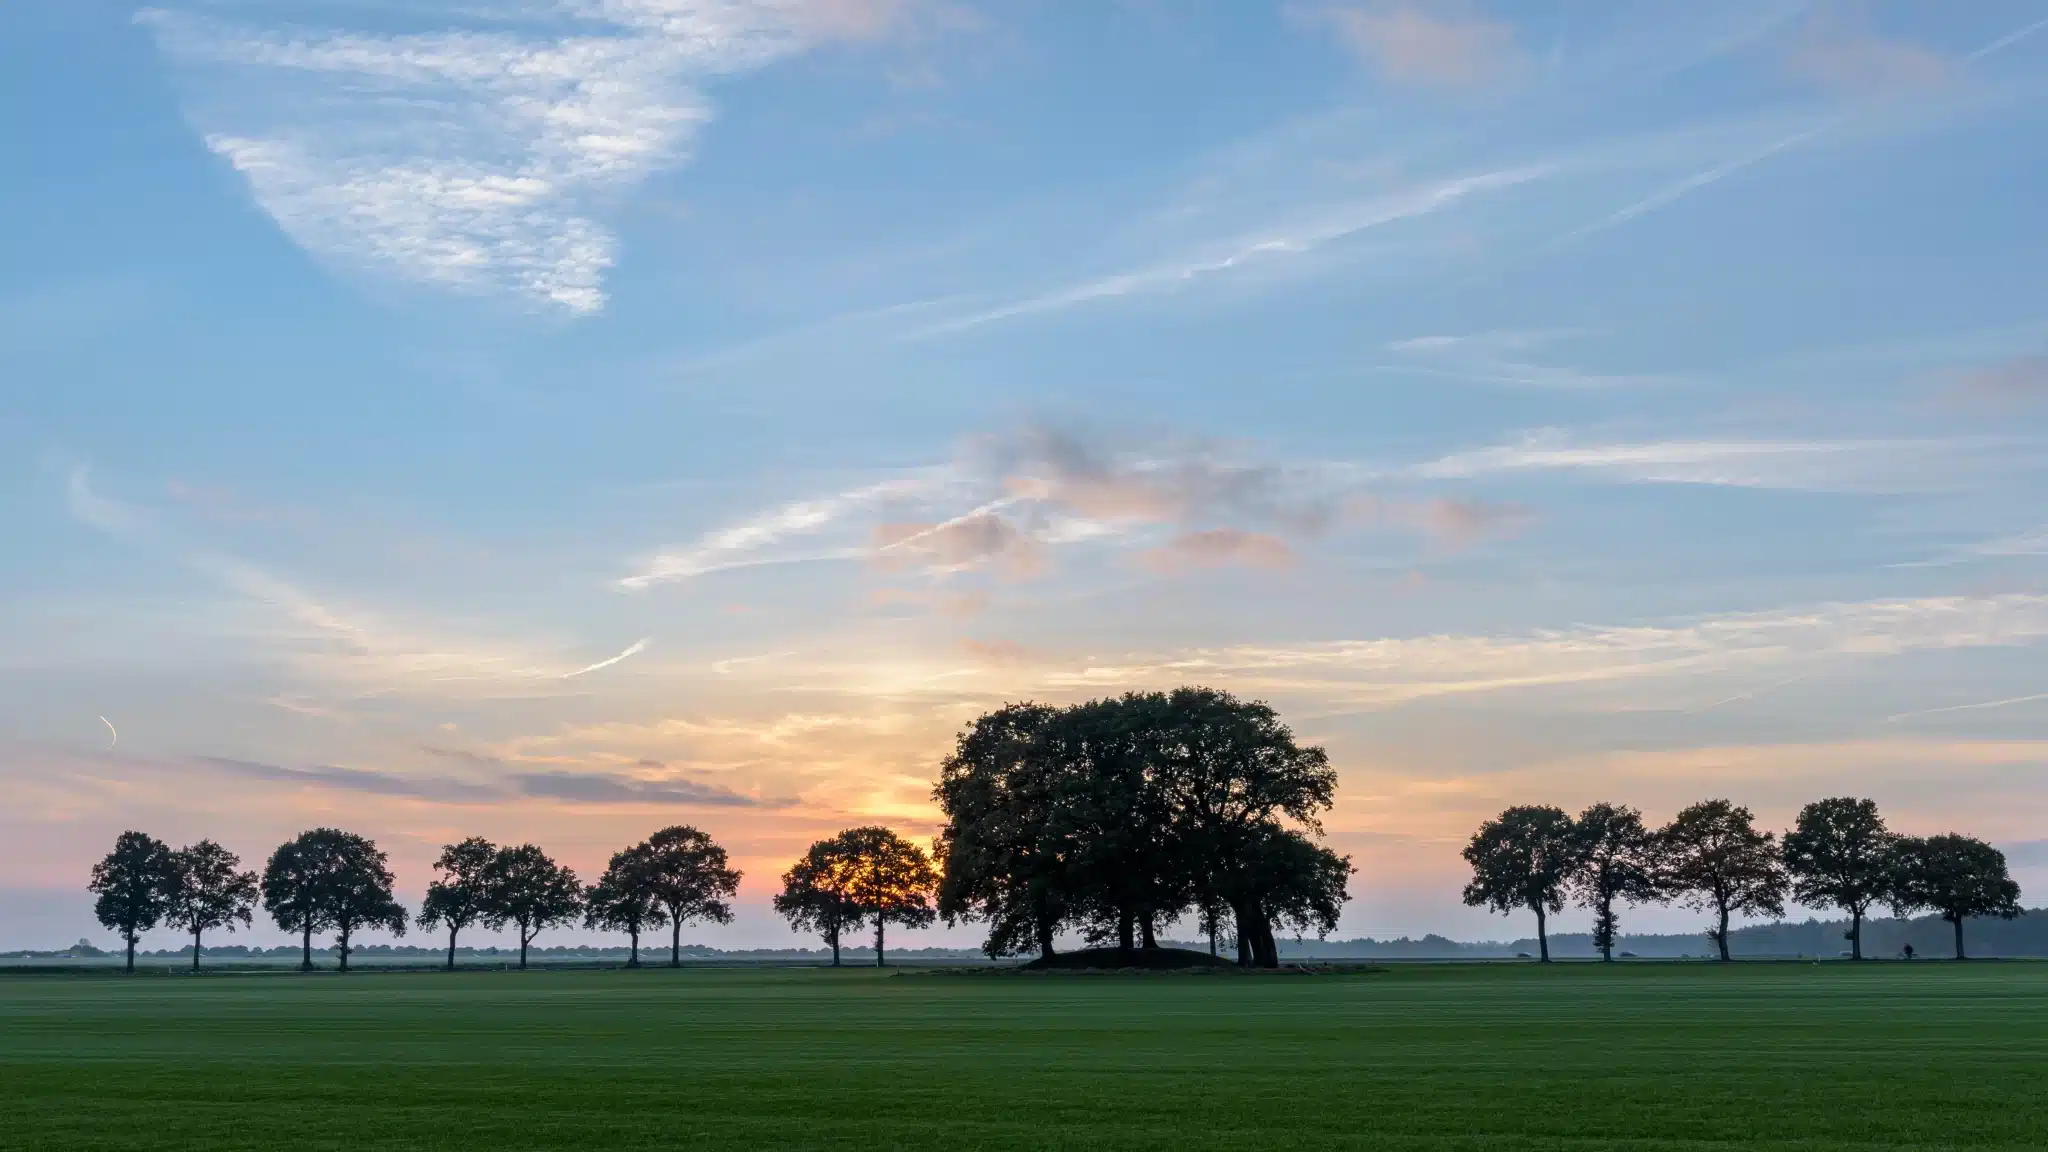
(551, 419)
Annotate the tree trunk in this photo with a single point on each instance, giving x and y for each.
(129, 936)
(1606, 925)
(675, 941)
(833, 939)
(1242, 920)
(1267, 948)
(1856, 934)
(1722, 937)
(195, 949)
(451, 945)
(1147, 937)
(1045, 950)
(1125, 934)
(523, 938)
(1212, 935)
(306, 946)
(1542, 937)
(879, 922)
(344, 928)
(633, 957)
(1958, 922)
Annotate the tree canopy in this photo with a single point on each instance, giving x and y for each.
(688, 875)
(1714, 858)
(1523, 858)
(889, 880)
(461, 895)
(330, 879)
(623, 899)
(815, 896)
(1116, 817)
(1839, 853)
(1956, 876)
(527, 889)
(210, 890)
(1617, 860)
(135, 886)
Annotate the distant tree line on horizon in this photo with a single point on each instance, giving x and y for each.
(328, 880)
(1712, 857)
(1114, 819)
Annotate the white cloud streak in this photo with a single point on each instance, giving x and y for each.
(1809, 465)
(1294, 239)
(632, 650)
(1988, 704)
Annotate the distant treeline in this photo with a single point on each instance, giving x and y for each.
(2024, 936)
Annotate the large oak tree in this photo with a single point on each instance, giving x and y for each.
(460, 895)
(1523, 858)
(1956, 876)
(210, 891)
(329, 879)
(1617, 861)
(527, 889)
(1714, 858)
(1840, 853)
(623, 899)
(690, 878)
(134, 885)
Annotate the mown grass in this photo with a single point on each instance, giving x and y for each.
(1804, 1056)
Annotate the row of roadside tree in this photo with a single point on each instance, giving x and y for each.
(1712, 857)
(330, 881)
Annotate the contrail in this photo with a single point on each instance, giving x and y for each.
(1970, 707)
(110, 730)
(638, 647)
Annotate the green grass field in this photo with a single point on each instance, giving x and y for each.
(1479, 1056)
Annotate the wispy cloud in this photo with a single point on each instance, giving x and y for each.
(438, 788)
(634, 649)
(1812, 465)
(478, 156)
(741, 545)
(1391, 672)
(1977, 707)
(1216, 548)
(1437, 45)
(90, 508)
(1505, 358)
(1309, 232)
(2020, 380)
(612, 788)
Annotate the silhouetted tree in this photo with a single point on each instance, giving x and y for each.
(529, 890)
(1956, 876)
(1299, 885)
(1000, 859)
(461, 896)
(815, 897)
(1713, 856)
(888, 880)
(1113, 821)
(1523, 858)
(1119, 815)
(1233, 777)
(327, 878)
(1617, 861)
(688, 875)
(623, 899)
(1839, 853)
(211, 891)
(135, 885)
